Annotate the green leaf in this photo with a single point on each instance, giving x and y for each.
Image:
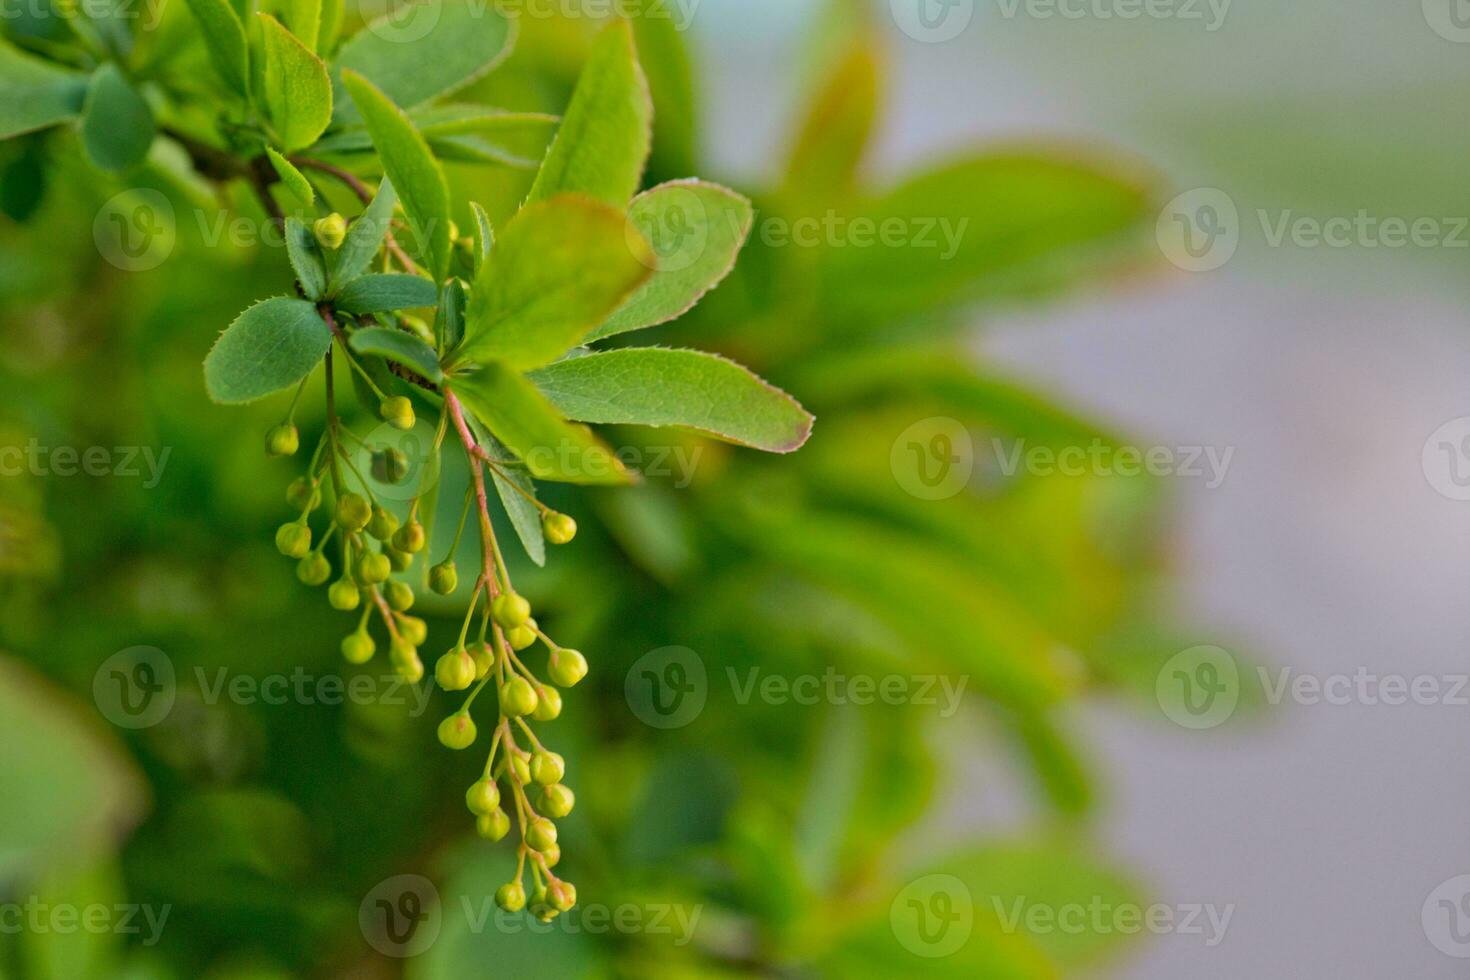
(605, 136)
(386, 293)
(449, 317)
(398, 346)
(117, 125)
(530, 426)
(365, 237)
(305, 253)
(303, 18)
(436, 49)
(484, 235)
(80, 790)
(838, 127)
(696, 230)
(272, 345)
(416, 175)
(985, 227)
(691, 389)
(524, 516)
(294, 179)
(297, 92)
(665, 60)
(558, 269)
(224, 36)
(37, 94)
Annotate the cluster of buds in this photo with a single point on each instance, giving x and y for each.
(522, 781)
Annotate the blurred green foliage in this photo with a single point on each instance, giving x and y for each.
(791, 832)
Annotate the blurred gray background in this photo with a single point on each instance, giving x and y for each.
(1328, 549)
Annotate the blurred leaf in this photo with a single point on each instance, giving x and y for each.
(449, 316)
(606, 133)
(652, 529)
(23, 179)
(294, 180)
(305, 253)
(655, 386)
(666, 62)
(696, 230)
(993, 225)
(37, 94)
(838, 128)
(270, 346)
(69, 791)
(386, 293)
(685, 803)
(531, 427)
(303, 18)
(432, 50)
(558, 269)
(117, 125)
(416, 175)
(296, 92)
(398, 346)
(364, 237)
(59, 954)
(1063, 775)
(224, 36)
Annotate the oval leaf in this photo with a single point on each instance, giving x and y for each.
(691, 389)
(305, 253)
(416, 175)
(697, 231)
(557, 270)
(364, 237)
(604, 140)
(224, 36)
(297, 91)
(270, 346)
(117, 125)
(385, 293)
(294, 179)
(37, 94)
(399, 347)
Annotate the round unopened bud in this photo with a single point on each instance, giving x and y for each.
(517, 769)
(557, 801)
(517, 698)
(541, 834)
(314, 569)
(358, 647)
(444, 578)
(548, 768)
(400, 595)
(330, 231)
(548, 703)
(457, 731)
(510, 610)
(567, 667)
(389, 465)
(552, 855)
(411, 670)
(344, 595)
(483, 797)
(410, 538)
(520, 637)
(398, 559)
(558, 528)
(353, 512)
(511, 897)
(303, 494)
(373, 567)
(293, 540)
(455, 671)
(483, 654)
(493, 826)
(382, 524)
(413, 630)
(561, 895)
(397, 412)
(283, 440)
